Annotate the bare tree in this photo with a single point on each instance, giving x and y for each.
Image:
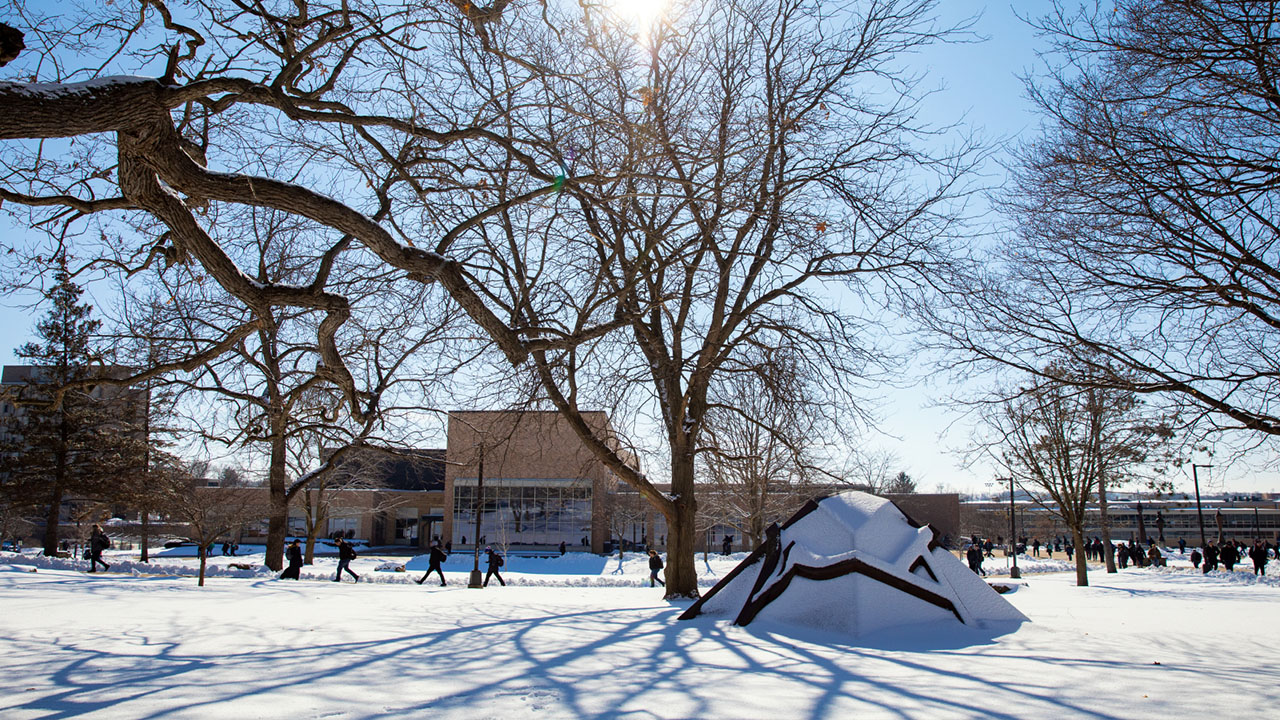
(737, 166)
(362, 472)
(1063, 440)
(761, 434)
(209, 513)
(661, 205)
(870, 470)
(1146, 211)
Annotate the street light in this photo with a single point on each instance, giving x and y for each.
(476, 579)
(1014, 572)
(1199, 511)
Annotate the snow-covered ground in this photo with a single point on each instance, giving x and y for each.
(569, 638)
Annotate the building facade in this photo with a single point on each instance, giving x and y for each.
(1129, 518)
(528, 480)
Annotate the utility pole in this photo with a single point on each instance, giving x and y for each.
(1195, 477)
(476, 579)
(1014, 572)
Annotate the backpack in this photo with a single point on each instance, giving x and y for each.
(499, 559)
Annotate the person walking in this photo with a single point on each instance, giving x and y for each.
(726, 545)
(1258, 554)
(1196, 557)
(433, 564)
(1210, 558)
(495, 562)
(563, 548)
(98, 541)
(346, 554)
(655, 566)
(974, 556)
(1229, 556)
(293, 554)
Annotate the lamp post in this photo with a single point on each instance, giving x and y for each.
(1195, 477)
(1014, 572)
(476, 579)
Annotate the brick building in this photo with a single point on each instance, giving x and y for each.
(541, 485)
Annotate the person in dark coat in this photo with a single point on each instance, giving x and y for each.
(655, 566)
(563, 548)
(1210, 558)
(1258, 554)
(98, 541)
(495, 562)
(346, 554)
(433, 564)
(974, 556)
(1196, 557)
(293, 554)
(1229, 556)
(726, 545)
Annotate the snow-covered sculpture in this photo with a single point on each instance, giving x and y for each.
(853, 562)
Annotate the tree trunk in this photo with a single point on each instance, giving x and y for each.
(145, 534)
(59, 482)
(146, 472)
(316, 517)
(278, 520)
(203, 560)
(1108, 552)
(1082, 565)
(51, 521)
(682, 576)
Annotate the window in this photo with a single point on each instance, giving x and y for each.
(524, 512)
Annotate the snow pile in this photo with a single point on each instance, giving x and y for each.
(1241, 576)
(1029, 564)
(853, 563)
(133, 567)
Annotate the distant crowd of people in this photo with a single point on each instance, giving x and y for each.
(1226, 554)
(1230, 552)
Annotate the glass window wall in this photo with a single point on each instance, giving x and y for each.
(524, 514)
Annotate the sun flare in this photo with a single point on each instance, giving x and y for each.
(640, 14)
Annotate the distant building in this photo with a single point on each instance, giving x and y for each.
(533, 484)
(636, 523)
(541, 484)
(1241, 519)
(383, 496)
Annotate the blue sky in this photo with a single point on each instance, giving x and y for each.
(977, 80)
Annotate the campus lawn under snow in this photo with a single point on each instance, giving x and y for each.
(1144, 643)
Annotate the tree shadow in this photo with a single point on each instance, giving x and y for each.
(523, 658)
